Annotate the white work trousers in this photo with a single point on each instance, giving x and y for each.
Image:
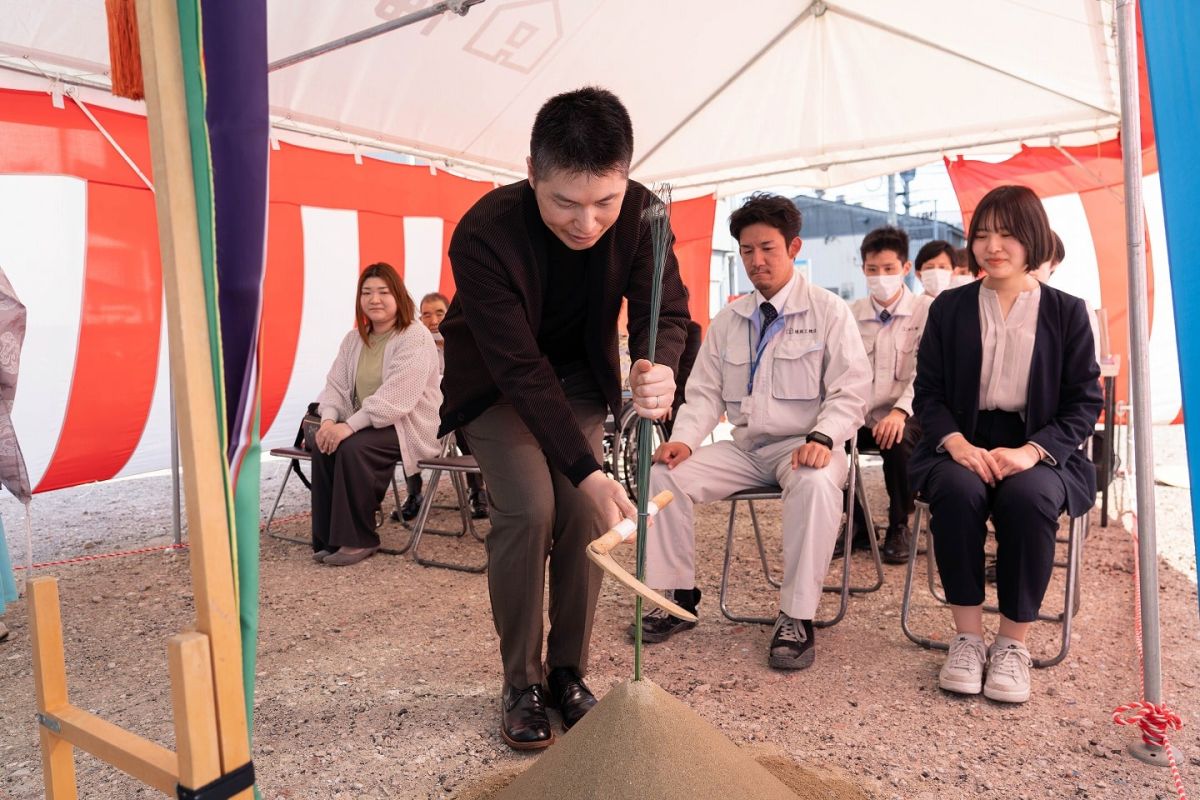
(812, 510)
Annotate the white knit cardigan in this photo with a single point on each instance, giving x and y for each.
(408, 398)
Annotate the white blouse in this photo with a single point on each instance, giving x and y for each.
(1007, 349)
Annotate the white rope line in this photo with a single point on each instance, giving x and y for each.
(103, 132)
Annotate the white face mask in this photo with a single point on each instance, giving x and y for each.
(935, 280)
(884, 287)
(961, 280)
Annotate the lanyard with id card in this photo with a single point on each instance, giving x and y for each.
(763, 340)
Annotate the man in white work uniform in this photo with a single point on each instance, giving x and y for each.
(891, 319)
(787, 367)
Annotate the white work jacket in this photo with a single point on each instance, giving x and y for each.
(892, 349)
(813, 375)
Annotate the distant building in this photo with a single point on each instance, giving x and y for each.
(833, 231)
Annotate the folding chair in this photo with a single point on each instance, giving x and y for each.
(1077, 532)
(458, 466)
(866, 506)
(844, 588)
(296, 455)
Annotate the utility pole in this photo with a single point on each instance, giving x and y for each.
(891, 199)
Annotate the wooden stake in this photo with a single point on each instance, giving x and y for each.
(190, 662)
(191, 373)
(50, 685)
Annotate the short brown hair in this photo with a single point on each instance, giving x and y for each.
(769, 209)
(429, 298)
(405, 310)
(1060, 251)
(1017, 210)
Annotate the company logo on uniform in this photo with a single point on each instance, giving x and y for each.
(801, 330)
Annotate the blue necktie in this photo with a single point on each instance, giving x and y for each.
(885, 315)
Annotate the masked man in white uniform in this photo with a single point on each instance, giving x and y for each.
(890, 319)
(787, 367)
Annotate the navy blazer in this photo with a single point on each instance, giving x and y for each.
(1063, 401)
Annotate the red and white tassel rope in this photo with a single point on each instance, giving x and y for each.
(1154, 720)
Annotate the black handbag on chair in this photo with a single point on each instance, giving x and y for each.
(308, 427)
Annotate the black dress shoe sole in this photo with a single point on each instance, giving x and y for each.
(538, 744)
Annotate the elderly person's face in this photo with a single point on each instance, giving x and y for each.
(432, 314)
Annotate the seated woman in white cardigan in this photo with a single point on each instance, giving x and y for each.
(379, 407)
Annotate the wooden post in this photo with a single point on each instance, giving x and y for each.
(50, 685)
(191, 373)
(190, 662)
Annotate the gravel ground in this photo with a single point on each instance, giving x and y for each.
(391, 691)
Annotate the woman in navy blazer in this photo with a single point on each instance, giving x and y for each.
(1006, 392)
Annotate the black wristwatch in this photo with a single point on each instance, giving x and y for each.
(819, 438)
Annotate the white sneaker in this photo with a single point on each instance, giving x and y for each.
(1008, 673)
(963, 670)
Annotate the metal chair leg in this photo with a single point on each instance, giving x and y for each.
(287, 474)
(847, 541)
(762, 550)
(906, 602)
(860, 487)
(854, 479)
(723, 599)
(419, 529)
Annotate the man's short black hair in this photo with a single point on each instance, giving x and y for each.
(586, 131)
(769, 209)
(931, 250)
(885, 238)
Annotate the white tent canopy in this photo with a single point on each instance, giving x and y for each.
(724, 96)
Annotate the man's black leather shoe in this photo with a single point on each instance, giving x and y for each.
(478, 499)
(895, 547)
(569, 694)
(411, 507)
(523, 721)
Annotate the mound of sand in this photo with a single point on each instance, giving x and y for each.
(640, 741)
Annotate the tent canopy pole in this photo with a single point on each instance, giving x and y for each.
(1139, 364)
(459, 7)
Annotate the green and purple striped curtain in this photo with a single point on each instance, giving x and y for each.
(224, 49)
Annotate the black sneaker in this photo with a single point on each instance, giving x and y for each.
(791, 643)
(658, 625)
